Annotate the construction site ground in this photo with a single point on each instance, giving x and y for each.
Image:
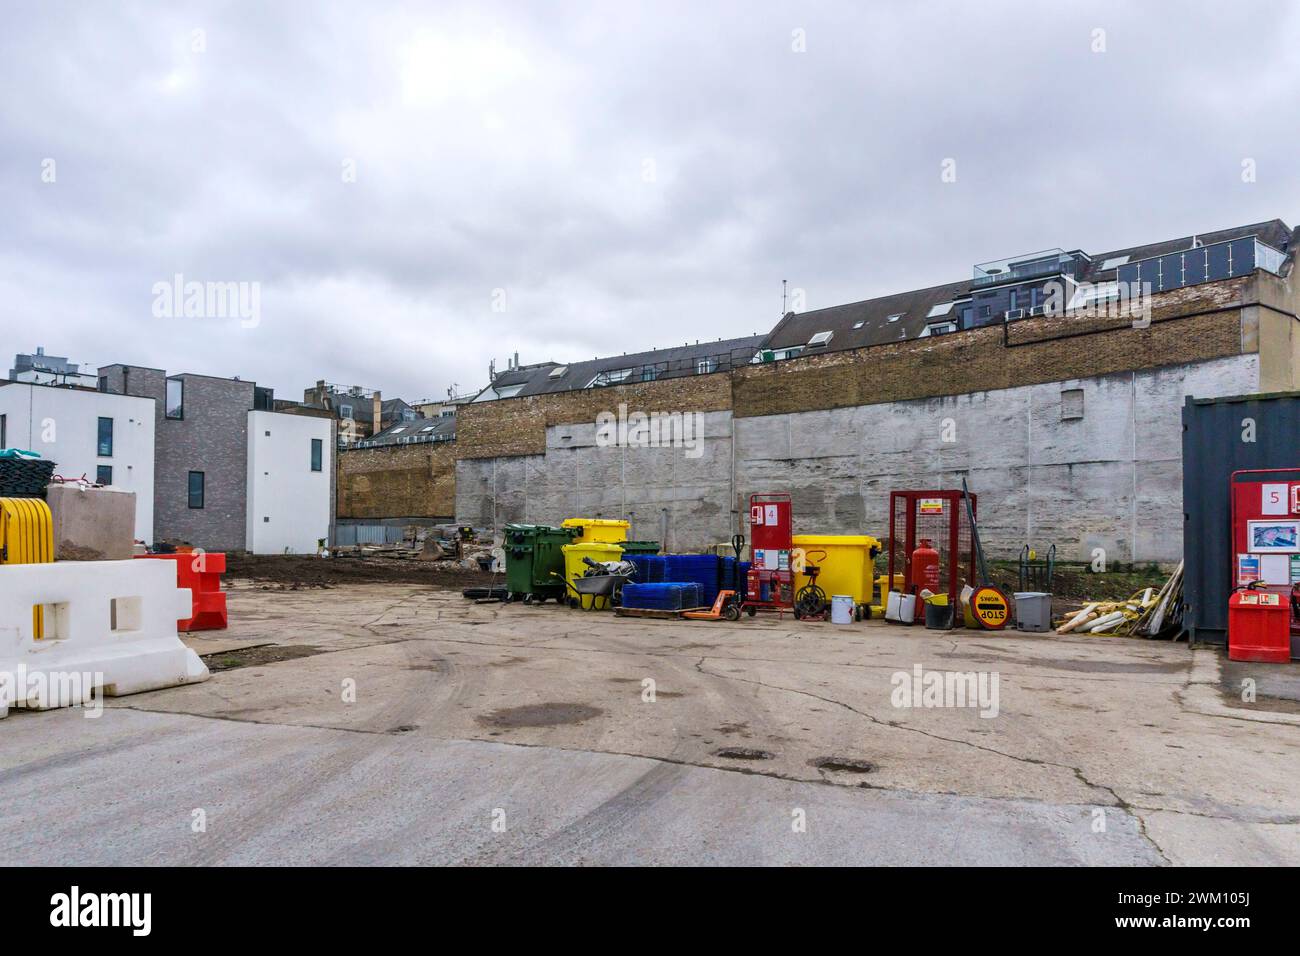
(397, 722)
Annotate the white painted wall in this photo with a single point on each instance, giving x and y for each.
(288, 503)
(62, 424)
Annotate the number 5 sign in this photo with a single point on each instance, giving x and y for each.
(1274, 498)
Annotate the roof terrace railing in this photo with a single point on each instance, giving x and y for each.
(1031, 266)
(1213, 262)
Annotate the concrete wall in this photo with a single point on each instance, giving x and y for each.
(839, 430)
(1110, 478)
(670, 495)
(289, 505)
(62, 424)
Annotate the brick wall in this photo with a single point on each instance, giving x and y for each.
(517, 426)
(417, 481)
(1036, 352)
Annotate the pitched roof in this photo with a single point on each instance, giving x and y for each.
(673, 362)
(860, 324)
(438, 429)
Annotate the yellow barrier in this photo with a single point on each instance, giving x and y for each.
(27, 537)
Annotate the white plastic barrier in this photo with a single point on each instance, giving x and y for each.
(110, 622)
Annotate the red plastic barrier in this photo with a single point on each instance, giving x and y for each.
(201, 573)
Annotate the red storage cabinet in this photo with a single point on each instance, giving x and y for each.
(1259, 627)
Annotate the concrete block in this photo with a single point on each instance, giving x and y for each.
(92, 524)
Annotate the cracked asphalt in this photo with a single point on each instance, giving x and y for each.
(408, 725)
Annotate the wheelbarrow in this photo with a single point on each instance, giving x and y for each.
(600, 584)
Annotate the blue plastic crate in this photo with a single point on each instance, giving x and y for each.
(650, 568)
(703, 569)
(662, 596)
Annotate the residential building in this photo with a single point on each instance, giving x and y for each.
(360, 412)
(43, 369)
(674, 362)
(290, 482)
(107, 439)
(220, 447)
(1016, 288)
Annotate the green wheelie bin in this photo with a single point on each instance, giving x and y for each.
(534, 561)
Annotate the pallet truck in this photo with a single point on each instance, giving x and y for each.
(724, 605)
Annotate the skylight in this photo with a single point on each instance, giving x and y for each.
(943, 308)
(558, 371)
(898, 315)
(821, 338)
(859, 324)
(1114, 262)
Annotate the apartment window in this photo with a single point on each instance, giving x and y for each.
(175, 398)
(316, 448)
(104, 474)
(103, 383)
(106, 438)
(4, 431)
(345, 411)
(196, 489)
(705, 366)
(1013, 299)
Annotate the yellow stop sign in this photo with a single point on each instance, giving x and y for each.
(990, 607)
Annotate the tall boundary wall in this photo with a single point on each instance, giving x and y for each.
(1068, 429)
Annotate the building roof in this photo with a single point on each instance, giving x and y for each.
(438, 429)
(39, 361)
(860, 324)
(673, 362)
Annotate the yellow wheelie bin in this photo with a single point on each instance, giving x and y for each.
(608, 530)
(847, 567)
(575, 567)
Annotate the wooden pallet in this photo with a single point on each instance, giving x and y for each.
(653, 613)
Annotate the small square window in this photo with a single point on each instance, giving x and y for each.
(104, 474)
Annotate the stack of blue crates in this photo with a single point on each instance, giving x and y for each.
(662, 596)
(650, 568)
(703, 569)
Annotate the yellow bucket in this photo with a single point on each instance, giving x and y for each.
(27, 537)
(608, 530)
(575, 567)
(848, 567)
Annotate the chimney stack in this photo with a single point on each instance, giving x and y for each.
(379, 414)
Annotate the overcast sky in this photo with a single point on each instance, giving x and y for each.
(419, 188)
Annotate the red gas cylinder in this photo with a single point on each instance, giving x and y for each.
(925, 566)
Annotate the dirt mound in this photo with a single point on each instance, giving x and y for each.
(308, 571)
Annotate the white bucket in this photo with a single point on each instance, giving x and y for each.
(842, 609)
(901, 608)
